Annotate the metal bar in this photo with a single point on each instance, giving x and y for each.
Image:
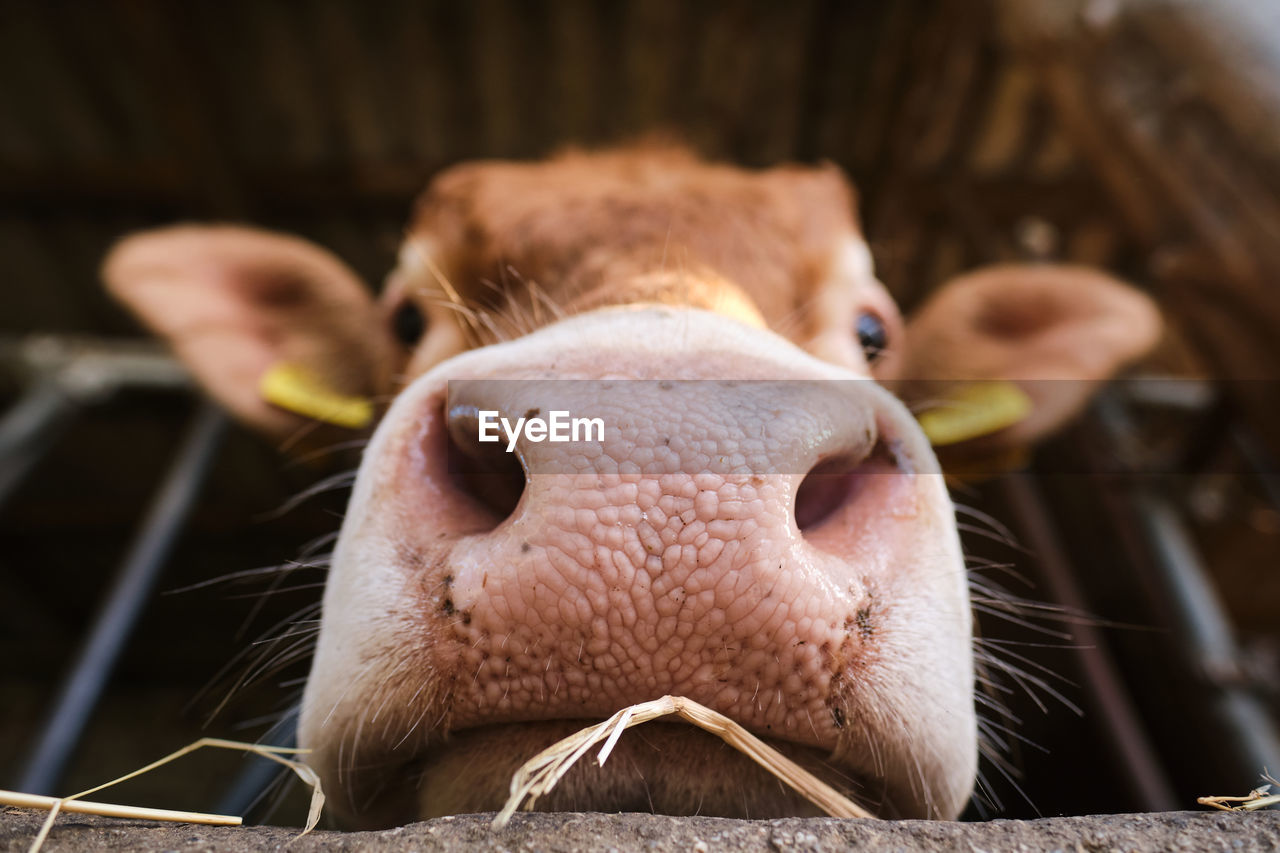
(1207, 636)
(92, 368)
(1201, 627)
(1126, 736)
(147, 555)
(31, 428)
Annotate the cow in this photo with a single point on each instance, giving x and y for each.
(762, 525)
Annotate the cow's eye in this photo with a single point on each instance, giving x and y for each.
(408, 324)
(872, 336)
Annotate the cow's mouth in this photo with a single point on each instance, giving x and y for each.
(661, 768)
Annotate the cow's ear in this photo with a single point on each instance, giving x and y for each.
(237, 303)
(1053, 332)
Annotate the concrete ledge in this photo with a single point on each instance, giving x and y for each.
(1189, 831)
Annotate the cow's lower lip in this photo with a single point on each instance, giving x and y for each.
(662, 767)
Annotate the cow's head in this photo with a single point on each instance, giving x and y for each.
(773, 540)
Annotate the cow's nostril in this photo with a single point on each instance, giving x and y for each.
(835, 482)
(484, 471)
(824, 490)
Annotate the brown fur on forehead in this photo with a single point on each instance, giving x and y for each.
(583, 226)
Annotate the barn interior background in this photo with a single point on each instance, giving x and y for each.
(1138, 135)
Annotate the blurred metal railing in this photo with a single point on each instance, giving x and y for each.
(64, 378)
(1200, 629)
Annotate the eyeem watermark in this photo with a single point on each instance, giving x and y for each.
(560, 426)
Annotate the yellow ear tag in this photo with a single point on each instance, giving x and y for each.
(974, 410)
(291, 386)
